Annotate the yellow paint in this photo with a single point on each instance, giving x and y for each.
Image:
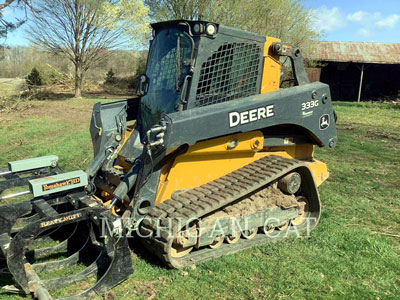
(209, 160)
(272, 68)
(319, 170)
(302, 152)
(121, 159)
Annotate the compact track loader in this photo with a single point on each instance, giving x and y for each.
(212, 158)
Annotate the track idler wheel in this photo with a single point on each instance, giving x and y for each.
(290, 183)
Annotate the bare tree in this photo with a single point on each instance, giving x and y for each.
(7, 26)
(289, 20)
(178, 9)
(82, 30)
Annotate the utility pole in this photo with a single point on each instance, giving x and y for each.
(361, 81)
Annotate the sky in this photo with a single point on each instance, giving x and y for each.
(358, 21)
(336, 20)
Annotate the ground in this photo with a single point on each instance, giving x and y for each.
(354, 253)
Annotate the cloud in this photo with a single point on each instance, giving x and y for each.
(364, 32)
(360, 24)
(358, 16)
(388, 22)
(328, 20)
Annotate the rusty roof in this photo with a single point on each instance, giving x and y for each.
(360, 52)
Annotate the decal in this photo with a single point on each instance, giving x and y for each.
(60, 220)
(51, 186)
(252, 115)
(307, 113)
(324, 122)
(309, 104)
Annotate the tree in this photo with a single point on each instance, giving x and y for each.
(288, 20)
(163, 10)
(83, 30)
(34, 78)
(8, 26)
(110, 77)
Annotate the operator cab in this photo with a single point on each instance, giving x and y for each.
(189, 67)
(168, 65)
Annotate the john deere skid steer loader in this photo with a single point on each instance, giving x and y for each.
(214, 157)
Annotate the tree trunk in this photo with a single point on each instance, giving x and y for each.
(78, 81)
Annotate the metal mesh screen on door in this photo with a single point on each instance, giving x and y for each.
(230, 73)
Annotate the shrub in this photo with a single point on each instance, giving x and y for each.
(110, 77)
(140, 69)
(49, 74)
(34, 78)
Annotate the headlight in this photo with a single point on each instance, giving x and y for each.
(211, 29)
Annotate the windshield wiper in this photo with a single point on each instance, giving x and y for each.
(178, 63)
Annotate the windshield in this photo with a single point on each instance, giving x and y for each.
(167, 66)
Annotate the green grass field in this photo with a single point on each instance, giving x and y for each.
(354, 253)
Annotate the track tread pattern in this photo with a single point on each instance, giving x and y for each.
(207, 198)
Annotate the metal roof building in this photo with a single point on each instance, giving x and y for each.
(355, 69)
(358, 52)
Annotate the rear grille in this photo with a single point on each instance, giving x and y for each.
(229, 73)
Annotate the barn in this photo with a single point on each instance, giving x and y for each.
(358, 71)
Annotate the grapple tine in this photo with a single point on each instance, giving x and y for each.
(112, 265)
(16, 253)
(59, 282)
(63, 246)
(120, 267)
(58, 264)
(10, 213)
(36, 285)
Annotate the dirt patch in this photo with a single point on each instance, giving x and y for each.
(390, 184)
(266, 198)
(375, 135)
(269, 197)
(105, 95)
(146, 290)
(371, 131)
(54, 109)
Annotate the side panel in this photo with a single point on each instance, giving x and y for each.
(307, 106)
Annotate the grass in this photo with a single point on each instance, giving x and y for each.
(10, 85)
(354, 253)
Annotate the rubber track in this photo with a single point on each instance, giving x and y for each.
(202, 200)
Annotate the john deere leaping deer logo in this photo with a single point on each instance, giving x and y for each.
(324, 122)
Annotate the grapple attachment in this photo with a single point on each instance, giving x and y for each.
(61, 242)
